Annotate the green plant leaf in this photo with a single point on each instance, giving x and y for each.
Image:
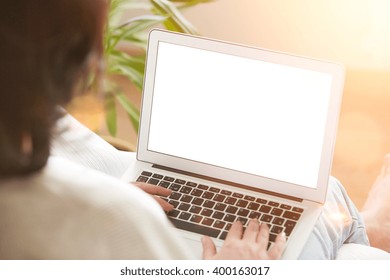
(129, 30)
(118, 7)
(175, 20)
(120, 34)
(132, 74)
(137, 62)
(111, 117)
(131, 110)
(189, 3)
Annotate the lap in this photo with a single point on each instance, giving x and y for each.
(340, 223)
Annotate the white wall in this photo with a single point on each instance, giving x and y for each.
(354, 32)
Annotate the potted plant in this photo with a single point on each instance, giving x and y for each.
(125, 44)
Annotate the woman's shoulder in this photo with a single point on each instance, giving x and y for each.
(83, 183)
(74, 212)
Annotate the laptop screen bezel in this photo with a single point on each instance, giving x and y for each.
(336, 70)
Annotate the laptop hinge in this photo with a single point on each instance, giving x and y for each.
(220, 181)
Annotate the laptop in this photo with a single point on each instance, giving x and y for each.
(237, 133)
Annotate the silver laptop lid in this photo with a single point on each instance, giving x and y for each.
(251, 116)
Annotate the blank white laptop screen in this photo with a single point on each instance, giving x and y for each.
(237, 113)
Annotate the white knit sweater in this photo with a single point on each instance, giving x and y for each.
(67, 211)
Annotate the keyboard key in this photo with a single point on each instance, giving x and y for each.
(243, 212)
(266, 218)
(254, 215)
(250, 198)
(209, 204)
(196, 219)
(297, 209)
(184, 206)
(242, 220)
(242, 203)
(184, 216)
(223, 235)
(272, 237)
(196, 228)
(225, 192)
(230, 218)
(278, 221)
(231, 200)
(175, 196)
(276, 211)
(208, 195)
(169, 179)
(219, 224)
(238, 195)
(142, 179)
(179, 181)
(196, 192)
(173, 213)
(276, 229)
(231, 209)
(195, 209)
(273, 203)
(285, 206)
(289, 226)
(191, 184)
(218, 215)
(186, 190)
(203, 187)
(198, 201)
(153, 181)
(164, 184)
(213, 189)
(253, 206)
(175, 203)
(175, 187)
(228, 226)
(186, 198)
(146, 173)
(291, 215)
(207, 221)
(220, 207)
(158, 176)
(265, 209)
(206, 212)
(261, 201)
(219, 198)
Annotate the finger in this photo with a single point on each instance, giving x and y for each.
(209, 249)
(277, 249)
(235, 231)
(164, 204)
(263, 237)
(252, 231)
(153, 189)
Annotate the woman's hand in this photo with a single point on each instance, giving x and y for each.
(250, 245)
(155, 191)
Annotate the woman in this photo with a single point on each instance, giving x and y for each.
(51, 208)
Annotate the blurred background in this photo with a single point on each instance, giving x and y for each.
(353, 32)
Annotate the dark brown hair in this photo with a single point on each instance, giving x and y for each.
(45, 50)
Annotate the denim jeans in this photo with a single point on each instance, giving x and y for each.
(339, 223)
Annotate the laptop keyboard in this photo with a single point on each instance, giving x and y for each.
(211, 211)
